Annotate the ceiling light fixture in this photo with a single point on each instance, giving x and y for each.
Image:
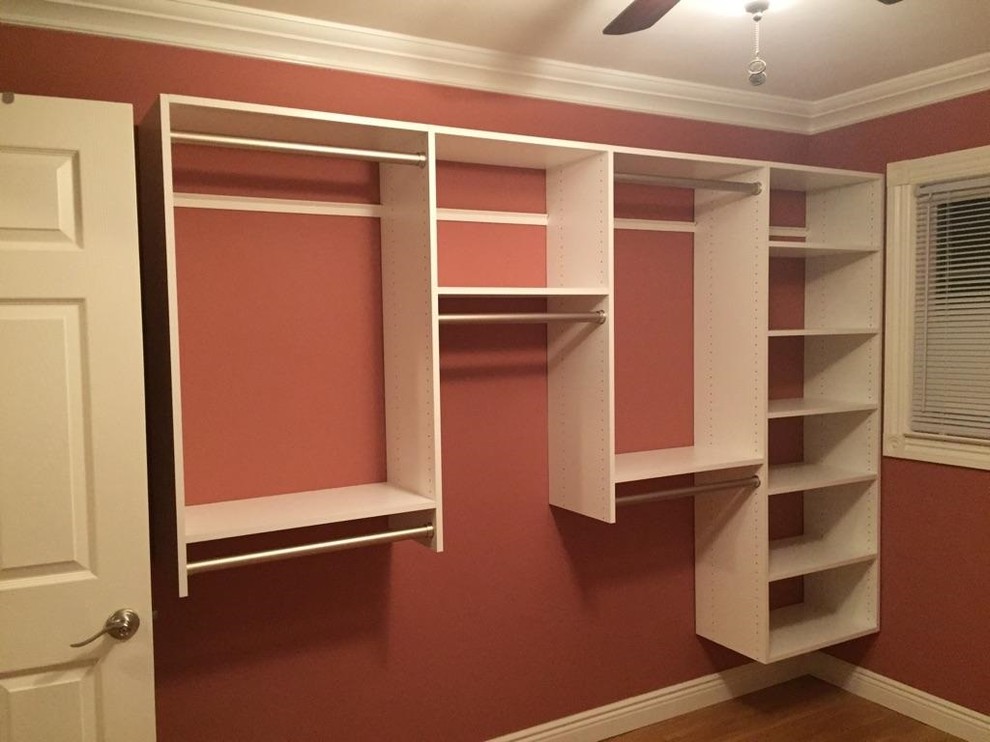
(757, 67)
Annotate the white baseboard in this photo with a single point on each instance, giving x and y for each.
(650, 708)
(926, 708)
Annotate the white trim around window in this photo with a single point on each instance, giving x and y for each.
(900, 440)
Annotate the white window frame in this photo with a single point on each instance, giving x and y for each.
(899, 440)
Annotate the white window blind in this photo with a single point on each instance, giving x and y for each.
(951, 376)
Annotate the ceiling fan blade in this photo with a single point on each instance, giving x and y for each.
(639, 15)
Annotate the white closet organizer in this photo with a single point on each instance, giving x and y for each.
(736, 474)
(835, 556)
(730, 237)
(411, 494)
(578, 292)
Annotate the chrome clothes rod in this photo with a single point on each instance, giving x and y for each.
(697, 489)
(242, 560)
(751, 188)
(401, 158)
(530, 318)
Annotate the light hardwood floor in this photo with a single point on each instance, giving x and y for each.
(803, 710)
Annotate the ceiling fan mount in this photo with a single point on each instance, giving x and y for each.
(642, 14)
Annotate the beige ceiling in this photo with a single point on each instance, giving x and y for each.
(815, 49)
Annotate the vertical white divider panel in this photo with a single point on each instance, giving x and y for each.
(731, 248)
(580, 356)
(730, 317)
(160, 308)
(410, 333)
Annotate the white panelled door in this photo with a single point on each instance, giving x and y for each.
(73, 489)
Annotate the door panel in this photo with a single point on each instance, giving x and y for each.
(73, 489)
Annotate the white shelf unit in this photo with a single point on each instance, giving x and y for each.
(578, 279)
(730, 235)
(835, 557)
(411, 494)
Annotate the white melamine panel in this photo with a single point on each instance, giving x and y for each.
(785, 249)
(843, 291)
(579, 409)
(842, 367)
(39, 200)
(811, 179)
(655, 225)
(632, 161)
(478, 216)
(840, 527)
(839, 604)
(847, 214)
(409, 316)
(511, 292)
(731, 591)
(235, 119)
(848, 440)
(300, 509)
(48, 706)
(45, 523)
(823, 331)
(668, 462)
(813, 406)
(508, 150)
(804, 555)
(730, 317)
(579, 232)
(786, 478)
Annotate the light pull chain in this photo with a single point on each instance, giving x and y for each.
(757, 68)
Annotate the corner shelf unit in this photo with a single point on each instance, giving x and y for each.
(830, 563)
(721, 231)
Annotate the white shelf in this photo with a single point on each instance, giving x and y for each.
(799, 477)
(514, 292)
(809, 406)
(804, 555)
(481, 216)
(802, 628)
(787, 249)
(299, 509)
(654, 225)
(823, 332)
(668, 462)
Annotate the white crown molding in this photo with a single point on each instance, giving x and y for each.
(954, 80)
(214, 26)
(924, 707)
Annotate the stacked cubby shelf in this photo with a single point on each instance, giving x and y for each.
(836, 418)
(752, 298)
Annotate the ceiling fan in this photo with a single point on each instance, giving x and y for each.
(641, 14)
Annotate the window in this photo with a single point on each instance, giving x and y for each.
(937, 377)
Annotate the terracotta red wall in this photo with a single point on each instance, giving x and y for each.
(934, 602)
(530, 614)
